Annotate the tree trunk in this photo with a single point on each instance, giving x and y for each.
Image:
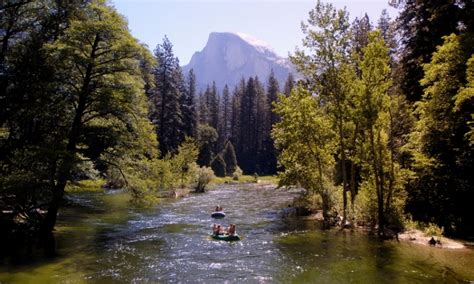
(63, 175)
(69, 156)
(324, 196)
(325, 199)
(353, 187)
(392, 165)
(343, 171)
(375, 168)
(381, 211)
(353, 171)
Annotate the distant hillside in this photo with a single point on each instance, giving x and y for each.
(227, 57)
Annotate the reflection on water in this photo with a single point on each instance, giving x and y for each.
(105, 239)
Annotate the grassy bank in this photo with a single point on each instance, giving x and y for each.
(245, 179)
(88, 185)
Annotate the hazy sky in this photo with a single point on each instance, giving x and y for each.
(187, 23)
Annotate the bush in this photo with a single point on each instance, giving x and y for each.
(203, 177)
(365, 206)
(429, 229)
(237, 174)
(255, 177)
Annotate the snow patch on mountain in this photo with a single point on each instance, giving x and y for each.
(228, 57)
(261, 45)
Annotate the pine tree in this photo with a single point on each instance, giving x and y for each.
(218, 166)
(270, 159)
(167, 96)
(388, 29)
(229, 158)
(226, 113)
(203, 111)
(289, 84)
(213, 106)
(360, 32)
(235, 119)
(205, 155)
(188, 106)
(248, 135)
(423, 24)
(441, 153)
(273, 89)
(262, 127)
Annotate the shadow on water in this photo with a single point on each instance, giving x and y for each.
(102, 238)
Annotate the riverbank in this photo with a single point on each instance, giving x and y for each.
(413, 236)
(102, 237)
(418, 237)
(246, 179)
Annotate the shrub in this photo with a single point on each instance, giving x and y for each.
(203, 177)
(237, 174)
(429, 229)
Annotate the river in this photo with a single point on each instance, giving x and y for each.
(102, 238)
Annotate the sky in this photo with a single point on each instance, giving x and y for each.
(188, 23)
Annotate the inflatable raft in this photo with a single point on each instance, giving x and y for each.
(228, 238)
(218, 214)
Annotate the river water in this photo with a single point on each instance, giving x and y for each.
(102, 238)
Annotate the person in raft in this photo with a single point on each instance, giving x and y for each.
(217, 230)
(218, 208)
(231, 230)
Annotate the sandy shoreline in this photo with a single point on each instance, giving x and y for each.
(411, 235)
(418, 237)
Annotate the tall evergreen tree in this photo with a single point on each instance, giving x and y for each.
(440, 147)
(360, 33)
(262, 126)
(235, 122)
(423, 24)
(218, 166)
(248, 136)
(388, 29)
(226, 113)
(230, 158)
(289, 84)
(203, 111)
(273, 89)
(188, 106)
(270, 160)
(167, 96)
(213, 106)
